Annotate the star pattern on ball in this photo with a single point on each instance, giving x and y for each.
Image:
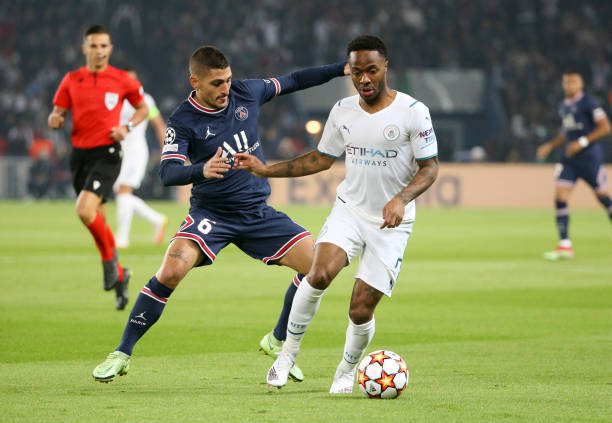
(379, 357)
(386, 381)
(361, 377)
(402, 365)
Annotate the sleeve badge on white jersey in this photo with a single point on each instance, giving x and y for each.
(170, 135)
(391, 132)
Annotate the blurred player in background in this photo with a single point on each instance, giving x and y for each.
(584, 123)
(95, 94)
(391, 158)
(133, 169)
(218, 120)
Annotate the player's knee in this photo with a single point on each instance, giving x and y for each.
(319, 278)
(85, 214)
(170, 276)
(360, 314)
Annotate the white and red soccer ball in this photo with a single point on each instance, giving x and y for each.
(382, 374)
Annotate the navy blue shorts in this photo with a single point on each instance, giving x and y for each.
(593, 174)
(263, 233)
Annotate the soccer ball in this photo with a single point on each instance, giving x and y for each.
(382, 374)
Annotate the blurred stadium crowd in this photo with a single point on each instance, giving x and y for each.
(522, 45)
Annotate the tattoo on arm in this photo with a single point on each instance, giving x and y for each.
(179, 255)
(306, 164)
(424, 178)
(289, 169)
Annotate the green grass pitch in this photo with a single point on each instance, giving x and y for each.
(490, 331)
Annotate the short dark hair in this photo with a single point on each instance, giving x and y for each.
(572, 71)
(367, 42)
(96, 29)
(207, 57)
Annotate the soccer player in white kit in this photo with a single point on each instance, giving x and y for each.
(391, 158)
(133, 169)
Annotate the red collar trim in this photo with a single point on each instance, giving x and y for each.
(201, 108)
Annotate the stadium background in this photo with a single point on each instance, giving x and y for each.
(488, 70)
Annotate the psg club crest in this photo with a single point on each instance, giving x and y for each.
(391, 132)
(241, 113)
(111, 100)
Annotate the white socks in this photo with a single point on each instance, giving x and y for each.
(143, 210)
(127, 205)
(305, 304)
(358, 338)
(125, 212)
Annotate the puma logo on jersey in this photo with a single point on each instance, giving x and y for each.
(96, 185)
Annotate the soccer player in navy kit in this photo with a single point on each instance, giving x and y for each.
(584, 123)
(216, 121)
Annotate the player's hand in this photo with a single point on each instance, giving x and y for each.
(118, 133)
(56, 120)
(393, 213)
(543, 151)
(250, 163)
(347, 69)
(572, 149)
(216, 166)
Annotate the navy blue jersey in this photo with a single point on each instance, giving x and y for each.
(578, 116)
(195, 132)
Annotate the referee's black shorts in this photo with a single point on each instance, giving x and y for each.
(96, 169)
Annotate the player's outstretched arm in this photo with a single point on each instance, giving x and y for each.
(306, 164)
(393, 212)
(56, 117)
(310, 77)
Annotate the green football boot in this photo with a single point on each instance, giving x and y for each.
(272, 347)
(117, 363)
(560, 253)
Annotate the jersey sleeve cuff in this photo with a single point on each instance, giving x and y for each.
(327, 154)
(426, 158)
(197, 173)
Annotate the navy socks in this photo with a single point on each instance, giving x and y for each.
(280, 331)
(562, 212)
(146, 311)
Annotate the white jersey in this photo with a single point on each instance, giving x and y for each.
(134, 146)
(381, 152)
(137, 135)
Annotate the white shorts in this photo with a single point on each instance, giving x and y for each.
(382, 250)
(133, 165)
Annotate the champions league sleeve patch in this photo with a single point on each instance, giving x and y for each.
(170, 135)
